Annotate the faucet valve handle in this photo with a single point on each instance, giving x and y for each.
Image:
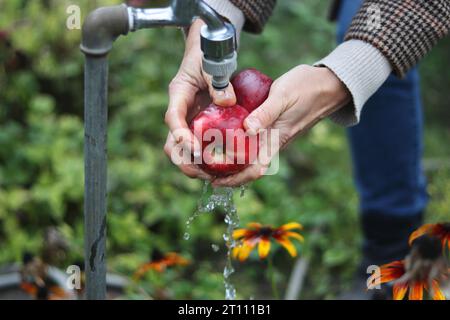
(220, 71)
(219, 54)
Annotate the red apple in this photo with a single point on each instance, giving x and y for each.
(252, 88)
(226, 149)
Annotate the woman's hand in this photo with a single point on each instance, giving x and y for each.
(297, 101)
(189, 92)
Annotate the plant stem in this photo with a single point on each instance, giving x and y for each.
(271, 276)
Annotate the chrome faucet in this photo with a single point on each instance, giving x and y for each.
(218, 38)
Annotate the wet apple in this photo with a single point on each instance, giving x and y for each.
(252, 88)
(226, 149)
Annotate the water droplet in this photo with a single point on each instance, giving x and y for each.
(186, 236)
(228, 271)
(243, 188)
(215, 247)
(230, 292)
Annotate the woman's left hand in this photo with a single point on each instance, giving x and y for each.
(297, 101)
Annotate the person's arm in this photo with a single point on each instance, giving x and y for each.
(257, 13)
(385, 36)
(345, 79)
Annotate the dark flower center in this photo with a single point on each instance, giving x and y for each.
(265, 231)
(428, 247)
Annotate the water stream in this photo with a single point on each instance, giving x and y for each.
(210, 201)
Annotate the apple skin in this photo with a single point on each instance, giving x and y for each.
(252, 88)
(223, 119)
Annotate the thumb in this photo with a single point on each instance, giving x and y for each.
(265, 115)
(222, 97)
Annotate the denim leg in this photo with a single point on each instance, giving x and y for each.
(386, 150)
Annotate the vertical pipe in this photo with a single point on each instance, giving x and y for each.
(95, 165)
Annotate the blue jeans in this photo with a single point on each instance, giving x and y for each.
(386, 150)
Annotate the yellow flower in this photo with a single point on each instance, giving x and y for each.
(257, 234)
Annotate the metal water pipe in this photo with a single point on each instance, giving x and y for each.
(101, 28)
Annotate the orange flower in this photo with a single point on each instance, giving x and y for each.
(438, 230)
(47, 293)
(257, 234)
(159, 265)
(395, 272)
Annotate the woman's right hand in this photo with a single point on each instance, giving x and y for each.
(190, 91)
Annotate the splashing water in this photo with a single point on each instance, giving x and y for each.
(198, 212)
(220, 198)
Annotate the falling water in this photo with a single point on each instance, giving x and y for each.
(220, 198)
(198, 212)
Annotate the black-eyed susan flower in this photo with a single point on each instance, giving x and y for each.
(160, 262)
(438, 230)
(258, 234)
(396, 272)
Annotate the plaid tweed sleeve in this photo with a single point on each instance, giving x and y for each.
(256, 12)
(403, 30)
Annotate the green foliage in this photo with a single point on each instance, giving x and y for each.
(41, 154)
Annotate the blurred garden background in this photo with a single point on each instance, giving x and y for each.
(41, 156)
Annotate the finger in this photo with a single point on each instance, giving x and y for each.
(251, 173)
(224, 97)
(181, 98)
(189, 169)
(266, 114)
(269, 148)
(194, 172)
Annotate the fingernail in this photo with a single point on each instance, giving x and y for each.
(228, 95)
(220, 93)
(253, 126)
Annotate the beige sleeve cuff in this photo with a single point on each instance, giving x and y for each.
(363, 69)
(228, 10)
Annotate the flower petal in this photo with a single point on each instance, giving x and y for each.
(391, 271)
(416, 291)
(245, 251)
(287, 244)
(239, 233)
(399, 291)
(235, 252)
(294, 235)
(174, 259)
(254, 225)
(28, 288)
(263, 248)
(436, 291)
(290, 226)
(420, 232)
(388, 275)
